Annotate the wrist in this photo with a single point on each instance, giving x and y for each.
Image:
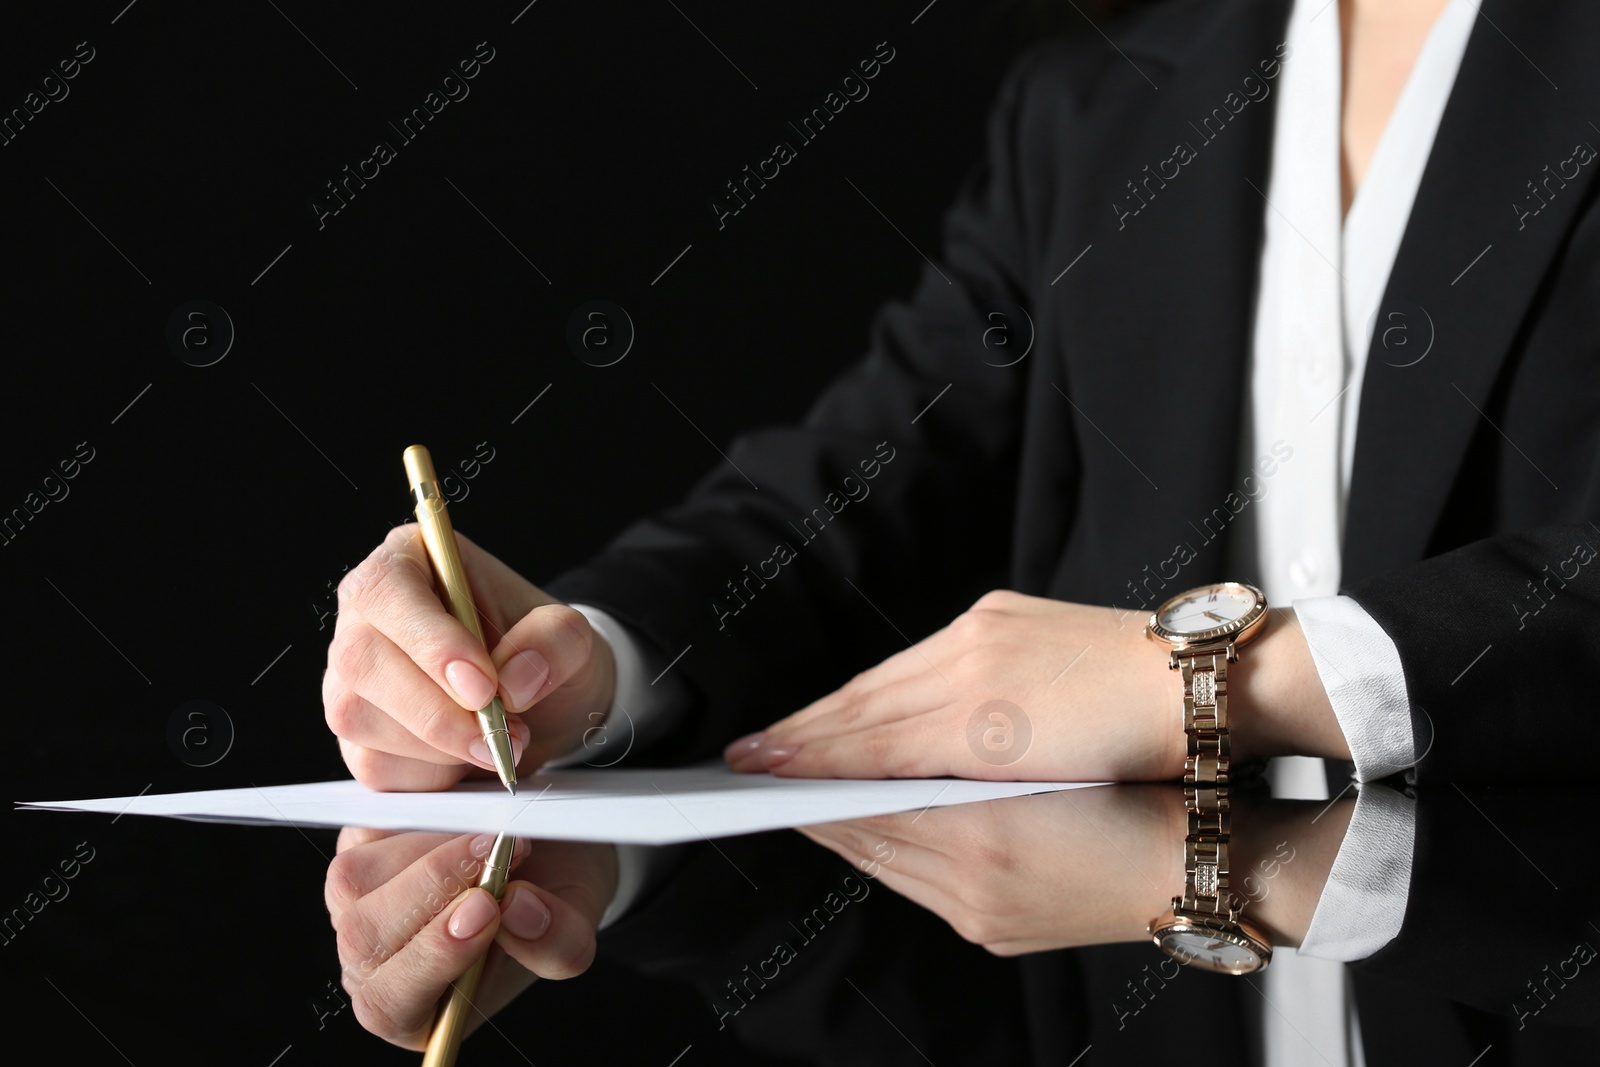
(1281, 853)
(605, 664)
(1155, 692)
(1278, 705)
(602, 698)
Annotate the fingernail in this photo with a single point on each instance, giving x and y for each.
(523, 676)
(479, 751)
(472, 689)
(525, 915)
(743, 747)
(519, 730)
(481, 844)
(517, 745)
(475, 912)
(774, 755)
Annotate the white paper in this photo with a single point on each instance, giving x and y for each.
(624, 806)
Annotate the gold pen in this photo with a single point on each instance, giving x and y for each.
(440, 538)
(445, 1041)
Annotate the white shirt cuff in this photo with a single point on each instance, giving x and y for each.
(1360, 669)
(1364, 901)
(633, 868)
(639, 709)
(643, 706)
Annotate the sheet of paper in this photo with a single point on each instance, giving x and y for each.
(625, 806)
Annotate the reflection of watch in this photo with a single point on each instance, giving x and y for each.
(1203, 628)
(1202, 927)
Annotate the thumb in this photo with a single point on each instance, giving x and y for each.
(547, 648)
(551, 932)
(549, 928)
(553, 662)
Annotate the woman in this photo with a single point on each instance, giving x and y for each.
(1282, 329)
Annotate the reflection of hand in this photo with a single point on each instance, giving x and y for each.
(1088, 866)
(404, 675)
(410, 919)
(1080, 867)
(1074, 693)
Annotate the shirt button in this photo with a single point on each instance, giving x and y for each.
(1314, 372)
(1303, 570)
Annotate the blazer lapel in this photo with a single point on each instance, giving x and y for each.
(1510, 169)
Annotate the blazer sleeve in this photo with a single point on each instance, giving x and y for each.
(821, 547)
(1498, 918)
(1500, 644)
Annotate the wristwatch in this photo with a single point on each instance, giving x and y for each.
(1203, 928)
(1202, 629)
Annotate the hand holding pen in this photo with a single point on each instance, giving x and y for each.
(406, 678)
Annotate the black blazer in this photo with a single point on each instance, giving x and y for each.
(1077, 472)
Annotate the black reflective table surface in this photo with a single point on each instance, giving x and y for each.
(1009, 931)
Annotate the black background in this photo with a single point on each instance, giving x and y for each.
(194, 554)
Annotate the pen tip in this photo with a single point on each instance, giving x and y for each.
(513, 787)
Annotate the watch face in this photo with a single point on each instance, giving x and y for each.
(1203, 948)
(1211, 611)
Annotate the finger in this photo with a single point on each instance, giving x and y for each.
(400, 1000)
(906, 829)
(356, 836)
(353, 718)
(549, 927)
(544, 933)
(548, 647)
(933, 882)
(917, 747)
(360, 867)
(942, 830)
(381, 673)
(924, 887)
(390, 912)
(393, 590)
(939, 882)
(388, 773)
(752, 752)
(872, 853)
(362, 722)
(891, 702)
(918, 659)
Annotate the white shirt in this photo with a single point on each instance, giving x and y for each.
(1321, 279)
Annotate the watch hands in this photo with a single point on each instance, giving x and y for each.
(1186, 618)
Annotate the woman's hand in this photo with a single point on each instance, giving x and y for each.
(1016, 688)
(1022, 688)
(404, 676)
(410, 919)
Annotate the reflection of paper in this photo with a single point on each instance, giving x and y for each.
(626, 806)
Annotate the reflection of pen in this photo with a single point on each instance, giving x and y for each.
(440, 538)
(452, 1022)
